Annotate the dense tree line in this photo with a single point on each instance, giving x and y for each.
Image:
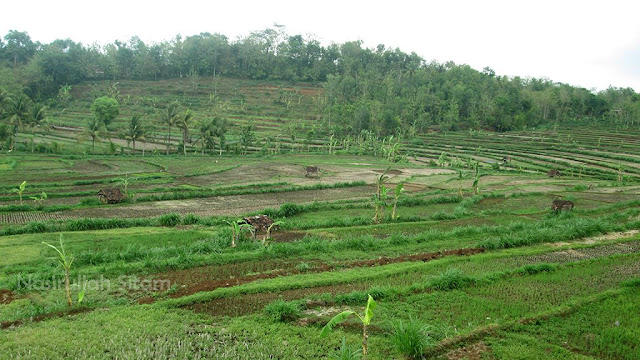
(381, 90)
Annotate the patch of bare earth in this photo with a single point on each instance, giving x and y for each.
(56, 314)
(6, 296)
(203, 279)
(476, 351)
(232, 205)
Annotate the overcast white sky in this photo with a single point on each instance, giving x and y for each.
(592, 44)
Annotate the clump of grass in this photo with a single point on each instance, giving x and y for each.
(347, 352)
(90, 201)
(169, 220)
(411, 338)
(283, 311)
(450, 280)
(191, 219)
(537, 268)
(303, 267)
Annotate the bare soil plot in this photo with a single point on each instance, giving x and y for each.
(6, 296)
(222, 205)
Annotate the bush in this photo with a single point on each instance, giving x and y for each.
(169, 220)
(282, 311)
(411, 338)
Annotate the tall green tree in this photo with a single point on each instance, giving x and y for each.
(206, 130)
(135, 130)
(105, 109)
(37, 120)
(169, 117)
(17, 111)
(220, 130)
(183, 124)
(94, 129)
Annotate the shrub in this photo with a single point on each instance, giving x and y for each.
(282, 311)
(169, 220)
(410, 338)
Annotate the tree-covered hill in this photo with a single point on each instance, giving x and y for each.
(271, 76)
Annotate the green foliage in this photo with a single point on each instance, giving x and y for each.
(347, 352)
(20, 190)
(283, 311)
(450, 280)
(170, 220)
(411, 338)
(191, 219)
(66, 261)
(105, 109)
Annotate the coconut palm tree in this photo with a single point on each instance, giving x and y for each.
(135, 130)
(206, 131)
(169, 118)
(183, 124)
(95, 128)
(220, 129)
(37, 119)
(17, 113)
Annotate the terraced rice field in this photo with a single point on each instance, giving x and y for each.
(488, 271)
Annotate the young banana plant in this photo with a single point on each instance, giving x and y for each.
(236, 229)
(66, 261)
(20, 190)
(398, 191)
(380, 197)
(365, 319)
(271, 227)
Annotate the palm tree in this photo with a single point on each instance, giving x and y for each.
(17, 111)
(37, 118)
(135, 130)
(220, 129)
(169, 117)
(207, 133)
(94, 130)
(183, 124)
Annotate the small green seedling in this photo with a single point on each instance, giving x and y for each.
(365, 319)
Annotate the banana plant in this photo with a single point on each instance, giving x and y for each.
(39, 200)
(476, 180)
(365, 319)
(398, 191)
(236, 229)
(66, 261)
(380, 197)
(20, 190)
(268, 235)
